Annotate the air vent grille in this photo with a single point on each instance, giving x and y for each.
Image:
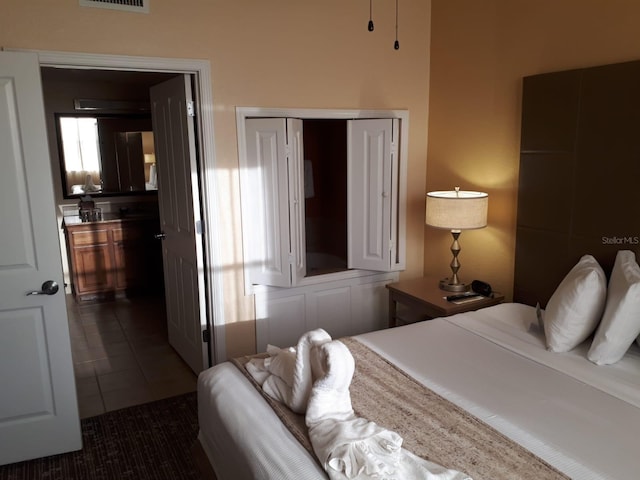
(140, 6)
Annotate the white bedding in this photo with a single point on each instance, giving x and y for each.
(567, 419)
(514, 326)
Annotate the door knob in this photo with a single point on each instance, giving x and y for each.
(48, 288)
(159, 236)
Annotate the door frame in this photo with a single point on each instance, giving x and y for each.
(203, 91)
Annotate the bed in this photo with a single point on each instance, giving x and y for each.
(575, 419)
(575, 415)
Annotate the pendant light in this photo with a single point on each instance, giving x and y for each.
(396, 44)
(370, 27)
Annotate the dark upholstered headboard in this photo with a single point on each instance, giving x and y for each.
(579, 186)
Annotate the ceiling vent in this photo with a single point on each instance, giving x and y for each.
(140, 6)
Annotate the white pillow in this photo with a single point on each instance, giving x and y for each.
(575, 308)
(620, 323)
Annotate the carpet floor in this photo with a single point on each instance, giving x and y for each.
(145, 442)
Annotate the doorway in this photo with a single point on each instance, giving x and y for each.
(99, 66)
(120, 347)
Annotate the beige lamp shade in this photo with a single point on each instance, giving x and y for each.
(457, 210)
(149, 158)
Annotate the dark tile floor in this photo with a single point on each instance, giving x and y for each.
(122, 356)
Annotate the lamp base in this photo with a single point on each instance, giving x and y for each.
(445, 284)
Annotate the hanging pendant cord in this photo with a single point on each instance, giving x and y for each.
(370, 26)
(396, 44)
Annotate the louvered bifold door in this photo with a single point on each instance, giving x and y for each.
(295, 150)
(370, 192)
(268, 197)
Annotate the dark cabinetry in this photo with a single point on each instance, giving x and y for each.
(115, 257)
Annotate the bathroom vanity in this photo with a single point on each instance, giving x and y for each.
(115, 256)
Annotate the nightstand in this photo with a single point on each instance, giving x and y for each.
(421, 299)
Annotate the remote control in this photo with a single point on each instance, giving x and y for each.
(461, 296)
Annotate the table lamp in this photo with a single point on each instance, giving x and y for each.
(456, 210)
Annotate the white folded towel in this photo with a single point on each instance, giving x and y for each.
(287, 374)
(351, 447)
(314, 378)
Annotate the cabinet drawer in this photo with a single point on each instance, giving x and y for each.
(89, 237)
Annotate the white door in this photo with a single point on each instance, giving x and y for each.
(180, 221)
(267, 188)
(371, 147)
(275, 187)
(295, 157)
(38, 406)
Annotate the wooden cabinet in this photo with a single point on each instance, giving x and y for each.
(90, 259)
(113, 257)
(421, 299)
(130, 258)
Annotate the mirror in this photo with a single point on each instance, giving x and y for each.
(106, 154)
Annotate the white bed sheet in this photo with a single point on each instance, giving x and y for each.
(578, 428)
(515, 326)
(249, 443)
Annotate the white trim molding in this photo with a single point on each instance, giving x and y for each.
(207, 161)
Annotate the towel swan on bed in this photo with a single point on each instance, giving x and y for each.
(351, 447)
(314, 378)
(287, 373)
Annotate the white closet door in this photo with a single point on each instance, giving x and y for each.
(369, 210)
(268, 194)
(296, 194)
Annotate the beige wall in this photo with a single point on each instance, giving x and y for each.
(480, 50)
(287, 53)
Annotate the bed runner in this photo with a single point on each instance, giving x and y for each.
(432, 427)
